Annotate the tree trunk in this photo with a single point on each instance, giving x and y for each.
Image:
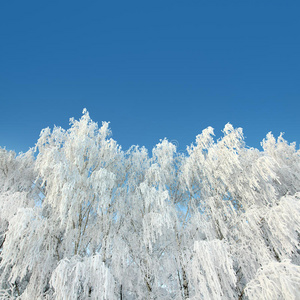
(121, 292)
(185, 285)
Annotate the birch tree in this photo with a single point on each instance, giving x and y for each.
(80, 218)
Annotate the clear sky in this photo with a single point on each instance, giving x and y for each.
(154, 69)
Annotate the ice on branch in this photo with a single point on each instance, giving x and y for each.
(82, 278)
(277, 280)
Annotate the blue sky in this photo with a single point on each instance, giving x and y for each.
(154, 69)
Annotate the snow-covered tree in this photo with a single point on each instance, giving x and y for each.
(82, 219)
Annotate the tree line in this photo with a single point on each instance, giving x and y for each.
(80, 218)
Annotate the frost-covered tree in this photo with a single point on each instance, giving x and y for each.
(17, 191)
(82, 219)
(17, 178)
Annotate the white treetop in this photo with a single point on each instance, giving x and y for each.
(82, 219)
